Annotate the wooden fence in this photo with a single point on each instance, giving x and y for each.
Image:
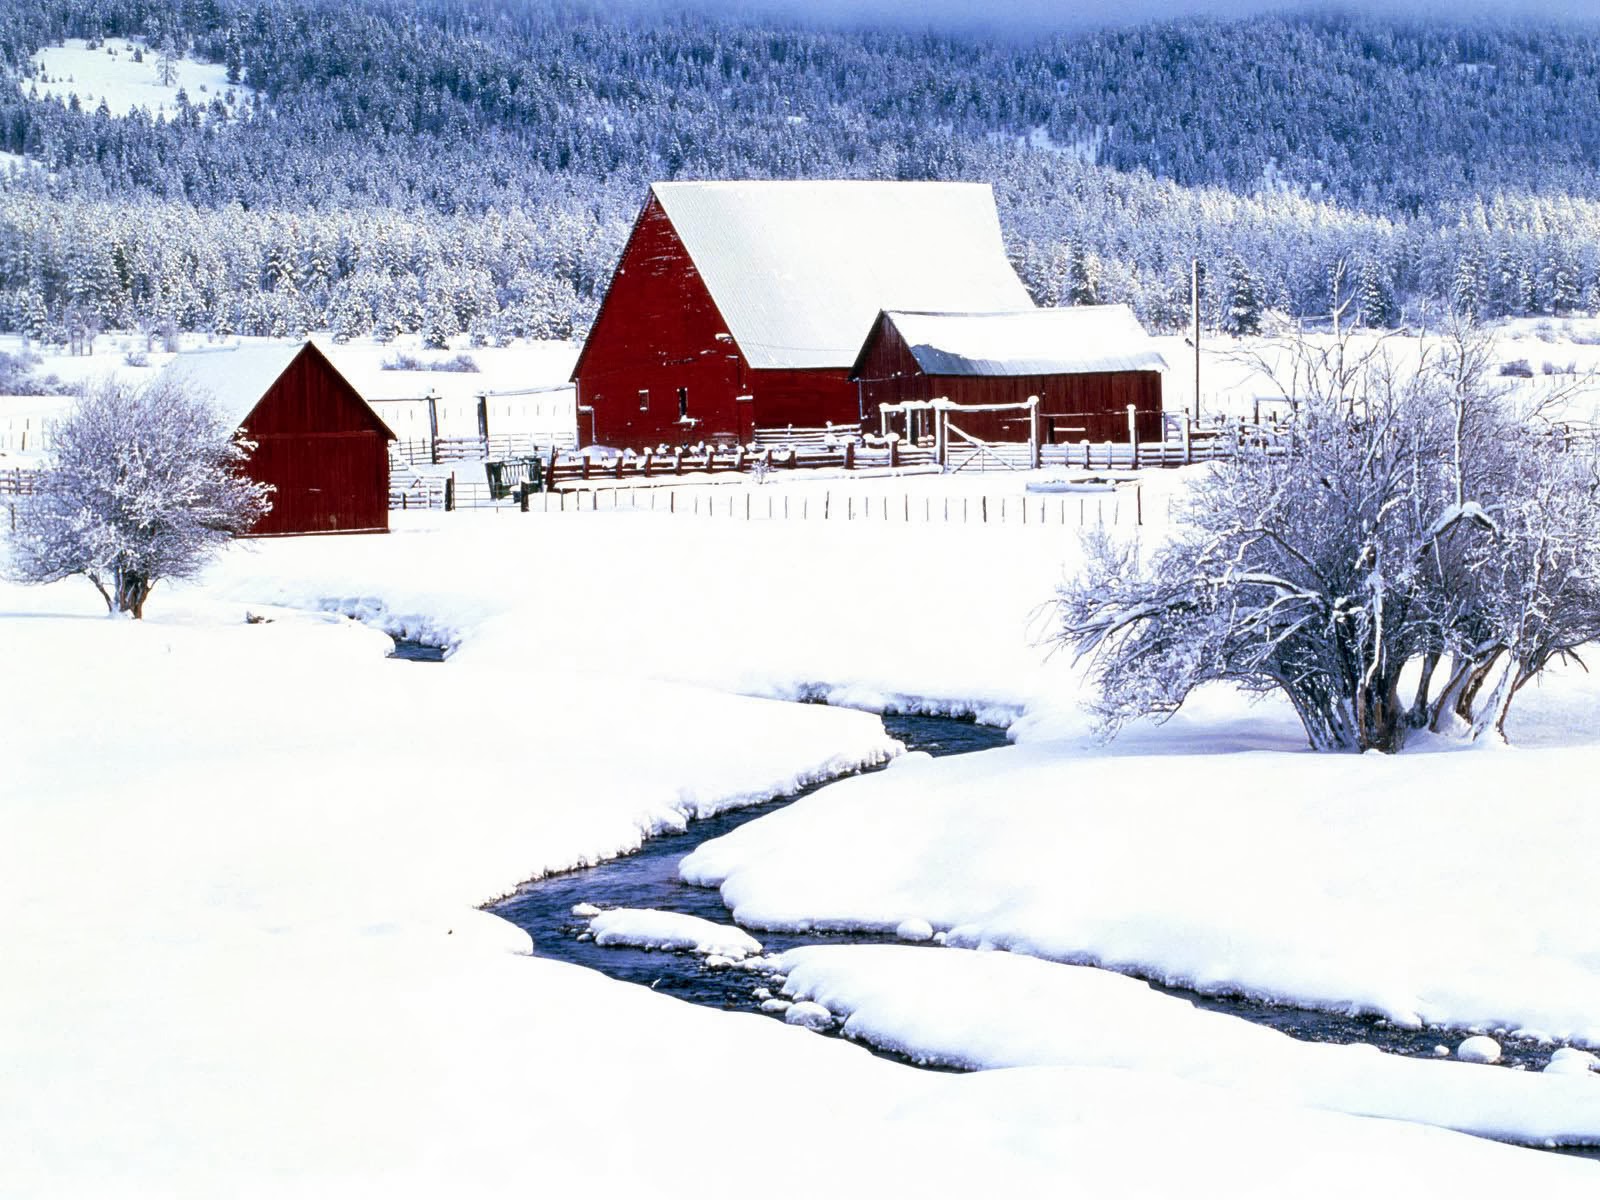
(1124, 505)
(469, 449)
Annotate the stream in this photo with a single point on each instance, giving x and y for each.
(648, 879)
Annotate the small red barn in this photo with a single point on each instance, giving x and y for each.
(739, 305)
(318, 443)
(1086, 365)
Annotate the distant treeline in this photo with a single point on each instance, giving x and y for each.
(473, 167)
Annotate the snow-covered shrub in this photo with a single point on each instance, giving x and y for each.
(1416, 523)
(144, 485)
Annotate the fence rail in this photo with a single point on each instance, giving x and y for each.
(1124, 505)
(410, 452)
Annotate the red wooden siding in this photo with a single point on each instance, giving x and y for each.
(1071, 407)
(657, 332)
(323, 450)
(805, 398)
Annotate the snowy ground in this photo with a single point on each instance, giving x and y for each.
(973, 1010)
(110, 73)
(241, 863)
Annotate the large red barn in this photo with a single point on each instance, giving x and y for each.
(318, 443)
(1087, 366)
(743, 305)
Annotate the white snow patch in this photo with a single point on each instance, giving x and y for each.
(1479, 1049)
(914, 929)
(808, 1014)
(110, 73)
(1571, 1061)
(653, 929)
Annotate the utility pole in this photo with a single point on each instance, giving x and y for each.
(1194, 303)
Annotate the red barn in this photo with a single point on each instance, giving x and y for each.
(320, 446)
(740, 305)
(1087, 365)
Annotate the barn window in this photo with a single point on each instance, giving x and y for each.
(644, 399)
(683, 403)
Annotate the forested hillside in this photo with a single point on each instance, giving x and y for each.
(457, 166)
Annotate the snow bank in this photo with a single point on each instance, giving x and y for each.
(968, 1009)
(239, 866)
(653, 929)
(1431, 888)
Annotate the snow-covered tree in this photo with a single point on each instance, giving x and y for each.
(144, 485)
(1416, 521)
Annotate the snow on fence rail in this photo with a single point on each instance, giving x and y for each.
(1126, 505)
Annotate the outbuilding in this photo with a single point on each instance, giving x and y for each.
(743, 305)
(1090, 368)
(318, 443)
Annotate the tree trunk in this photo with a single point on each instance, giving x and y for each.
(132, 590)
(1418, 716)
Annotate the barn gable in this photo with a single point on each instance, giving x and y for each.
(317, 442)
(659, 330)
(239, 379)
(799, 269)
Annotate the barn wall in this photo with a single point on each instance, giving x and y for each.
(1072, 407)
(656, 331)
(323, 450)
(804, 398)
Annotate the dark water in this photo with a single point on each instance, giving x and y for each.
(649, 879)
(414, 651)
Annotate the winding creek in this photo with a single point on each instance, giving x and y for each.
(648, 879)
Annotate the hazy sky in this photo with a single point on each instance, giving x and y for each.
(1077, 14)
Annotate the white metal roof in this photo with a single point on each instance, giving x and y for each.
(1033, 341)
(234, 377)
(801, 269)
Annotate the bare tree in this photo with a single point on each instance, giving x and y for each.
(1419, 520)
(145, 484)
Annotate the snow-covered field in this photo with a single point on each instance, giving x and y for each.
(109, 73)
(241, 863)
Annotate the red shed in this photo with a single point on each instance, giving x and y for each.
(318, 443)
(1087, 365)
(739, 305)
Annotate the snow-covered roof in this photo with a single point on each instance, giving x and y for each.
(235, 377)
(800, 269)
(1032, 341)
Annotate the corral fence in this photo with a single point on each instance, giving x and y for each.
(414, 451)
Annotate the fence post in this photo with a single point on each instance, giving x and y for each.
(1133, 437)
(1034, 453)
(849, 456)
(450, 492)
(1188, 440)
(522, 499)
